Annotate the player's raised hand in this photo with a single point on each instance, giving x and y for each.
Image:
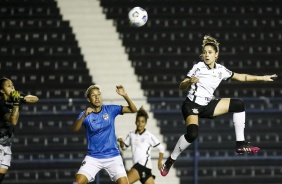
(88, 111)
(120, 90)
(15, 96)
(269, 77)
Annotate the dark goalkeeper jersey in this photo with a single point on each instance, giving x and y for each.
(6, 128)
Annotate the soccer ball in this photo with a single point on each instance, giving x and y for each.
(137, 17)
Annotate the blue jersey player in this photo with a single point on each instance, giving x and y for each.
(102, 150)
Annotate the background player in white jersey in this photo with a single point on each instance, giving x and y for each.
(201, 81)
(142, 141)
(102, 150)
(10, 100)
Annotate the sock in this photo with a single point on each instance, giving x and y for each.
(180, 146)
(239, 124)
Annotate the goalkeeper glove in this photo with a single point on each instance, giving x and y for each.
(15, 96)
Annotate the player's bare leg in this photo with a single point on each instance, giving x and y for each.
(80, 179)
(122, 180)
(133, 175)
(3, 172)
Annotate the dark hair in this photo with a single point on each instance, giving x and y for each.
(2, 80)
(142, 112)
(208, 40)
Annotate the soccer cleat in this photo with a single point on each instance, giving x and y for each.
(245, 147)
(166, 166)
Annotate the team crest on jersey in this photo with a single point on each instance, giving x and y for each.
(106, 116)
(195, 111)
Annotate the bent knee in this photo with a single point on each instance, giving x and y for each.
(80, 179)
(236, 105)
(192, 133)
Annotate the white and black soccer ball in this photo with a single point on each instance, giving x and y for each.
(137, 17)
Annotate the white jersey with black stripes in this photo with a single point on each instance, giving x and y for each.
(209, 79)
(141, 147)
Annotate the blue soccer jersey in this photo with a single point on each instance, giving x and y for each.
(100, 132)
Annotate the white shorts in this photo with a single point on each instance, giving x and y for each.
(5, 156)
(91, 166)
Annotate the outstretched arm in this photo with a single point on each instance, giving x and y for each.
(249, 78)
(30, 98)
(131, 108)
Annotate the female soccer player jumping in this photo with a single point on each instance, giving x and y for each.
(201, 81)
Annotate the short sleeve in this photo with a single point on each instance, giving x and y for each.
(226, 74)
(127, 141)
(154, 141)
(193, 71)
(80, 115)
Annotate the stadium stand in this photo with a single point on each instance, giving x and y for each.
(40, 53)
(169, 44)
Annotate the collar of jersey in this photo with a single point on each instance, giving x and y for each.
(141, 132)
(209, 67)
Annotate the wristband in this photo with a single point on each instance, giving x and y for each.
(16, 104)
(22, 100)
